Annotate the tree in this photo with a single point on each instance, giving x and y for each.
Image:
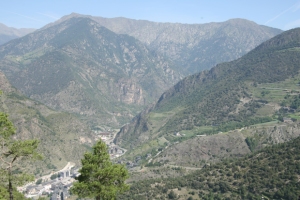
(5, 195)
(39, 181)
(53, 176)
(99, 178)
(172, 195)
(12, 150)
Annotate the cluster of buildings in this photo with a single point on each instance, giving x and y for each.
(108, 137)
(136, 162)
(115, 151)
(56, 189)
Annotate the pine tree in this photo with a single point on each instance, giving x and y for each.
(11, 151)
(99, 177)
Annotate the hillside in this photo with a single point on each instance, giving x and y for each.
(198, 150)
(107, 70)
(81, 67)
(232, 95)
(9, 33)
(272, 173)
(194, 47)
(62, 136)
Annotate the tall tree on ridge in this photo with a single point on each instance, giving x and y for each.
(99, 177)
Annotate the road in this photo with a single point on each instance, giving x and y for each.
(47, 177)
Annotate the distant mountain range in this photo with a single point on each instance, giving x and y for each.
(194, 47)
(107, 75)
(9, 33)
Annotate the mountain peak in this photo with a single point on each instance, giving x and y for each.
(240, 22)
(9, 33)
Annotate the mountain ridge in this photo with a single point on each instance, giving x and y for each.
(189, 44)
(221, 98)
(79, 57)
(10, 33)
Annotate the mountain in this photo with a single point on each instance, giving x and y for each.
(256, 88)
(194, 47)
(81, 67)
(63, 138)
(107, 75)
(9, 33)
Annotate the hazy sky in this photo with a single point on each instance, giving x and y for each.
(283, 14)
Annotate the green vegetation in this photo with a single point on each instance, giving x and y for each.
(252, 143)
(53, 176)
(99, 178)
(13, 151)
(4, 194)
(59, 133)
(230, 96)
(272, 172)
(90, 73)
(38, 182)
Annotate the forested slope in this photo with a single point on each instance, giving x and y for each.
(272, 172)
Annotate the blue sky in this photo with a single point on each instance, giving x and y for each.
(283, 14)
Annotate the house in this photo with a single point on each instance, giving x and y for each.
(60, 192)
(40, 190)
(31, 190)
(138, 158)
(177, 134)
(287, 120)
(148, 155)
(120, 151)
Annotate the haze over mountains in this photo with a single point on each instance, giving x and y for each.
(80, 67)
(83, 72)
(9, 33)
(77, 65)
(193, 46)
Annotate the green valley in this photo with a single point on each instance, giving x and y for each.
(203, 111)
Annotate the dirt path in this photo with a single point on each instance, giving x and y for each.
(189, 168)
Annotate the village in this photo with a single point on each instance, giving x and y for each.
(114, 150)
(57, 184)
